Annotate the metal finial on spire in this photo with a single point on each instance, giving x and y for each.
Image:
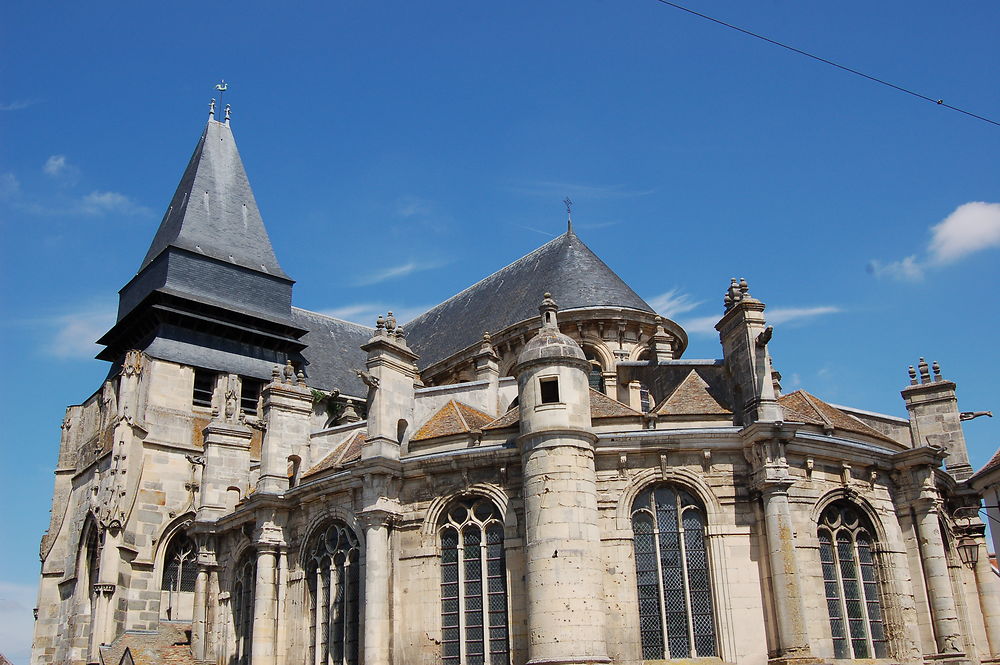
(221, 87)
(211, 109)
(569, 213)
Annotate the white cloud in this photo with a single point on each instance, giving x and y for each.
(17, 104)
(394, 272)
(781, 315)
(55, 165)
(410, 206)
(972, 227)
(366, 313)
(673, 303)
(76, 333)
(16, 620)
(904, 270)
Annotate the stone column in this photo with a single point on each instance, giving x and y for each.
(940, 596)
(199, 624)
(989, 597)
(262, 647)
(378, 623)
(282, 629)
(793, 636)
(213, 625)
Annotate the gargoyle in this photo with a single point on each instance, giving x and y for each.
(370, 381)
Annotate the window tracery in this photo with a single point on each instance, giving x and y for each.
(474, 616)
(332, 572)
(850, 578)
(676, 616)
(179, 565)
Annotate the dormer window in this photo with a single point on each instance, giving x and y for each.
(550, 390)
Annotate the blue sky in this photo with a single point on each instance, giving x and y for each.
(400, 151)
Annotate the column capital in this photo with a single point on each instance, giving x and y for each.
(104, 589)
(377, 517)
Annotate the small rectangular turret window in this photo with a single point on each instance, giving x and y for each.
(204, 386)
(550, 390)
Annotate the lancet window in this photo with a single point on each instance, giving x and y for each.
(474, 623)
(179, 565)
(596, 375)
(850, 579)
(676, 618)
(332, 572)
(241, 598)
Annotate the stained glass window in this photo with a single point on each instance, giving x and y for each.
(179, 566)
(473, 585)
(333, 578)
(850, 580)
(676, 619)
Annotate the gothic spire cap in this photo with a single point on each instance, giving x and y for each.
(548, 310)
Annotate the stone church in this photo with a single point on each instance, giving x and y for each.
(530, 472)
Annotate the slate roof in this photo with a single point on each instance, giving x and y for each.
(452, 418)
(347, 452)
(803, 407)
(601, 406)
(333, 351)
(692, 396)
(565, 267)
(213, 211)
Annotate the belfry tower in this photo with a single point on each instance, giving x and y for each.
(210, 292)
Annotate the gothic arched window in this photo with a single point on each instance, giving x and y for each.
(241, 599)
(179, 566)
(596, 374)
(332, 574)
(847, 552)
(473, 585)
(676, 619)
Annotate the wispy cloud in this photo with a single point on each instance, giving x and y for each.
(413, 206)
(395, 272)
(673, 303)
(366, 313)
(534, 230)
(9, 185)
(94, 204)
(17, 104)
(73, 335)
(58, 166)
(781, 315)
(972, 227)
(16, 620)
(705, 325)
(549, 188)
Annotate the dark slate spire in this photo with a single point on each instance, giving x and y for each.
(213, 211)
(210, 292)
(575, 275)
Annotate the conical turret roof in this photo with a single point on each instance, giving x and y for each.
(213, 211)
(564, 266)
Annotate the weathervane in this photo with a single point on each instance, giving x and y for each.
(569, 213)
(221, 87)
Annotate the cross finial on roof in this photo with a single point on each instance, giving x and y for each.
(569, 214)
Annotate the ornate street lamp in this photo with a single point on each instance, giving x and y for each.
(968, 550)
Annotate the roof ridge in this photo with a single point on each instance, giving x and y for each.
(809, 400)
(473, 286)
(332, 318)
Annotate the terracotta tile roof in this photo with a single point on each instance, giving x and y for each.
(691, 397)
(993, 464)
(601, 406)
(168, 645)
(452, 418)
(347, 452)
(803, 407)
